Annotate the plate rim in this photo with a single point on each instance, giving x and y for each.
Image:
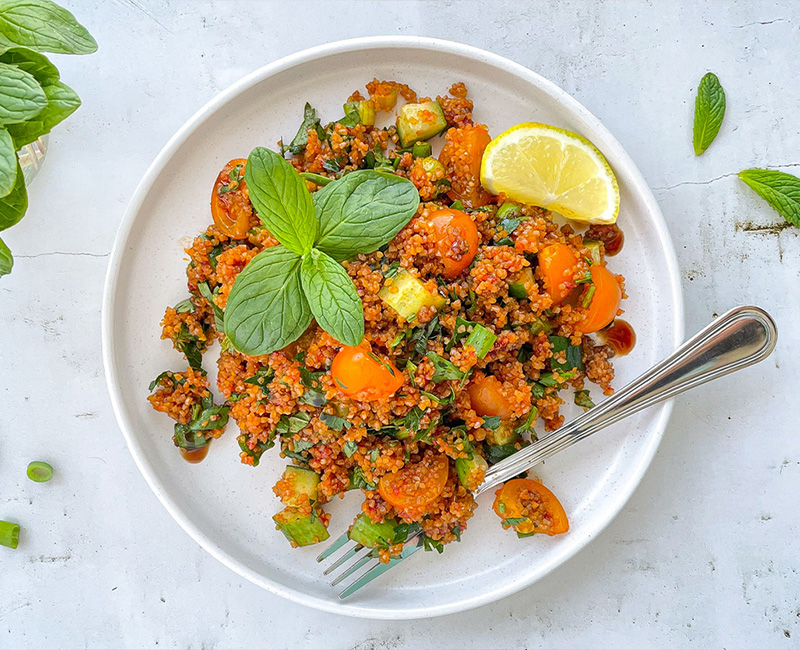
(185, 131)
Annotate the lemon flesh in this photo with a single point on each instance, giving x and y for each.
(554, 169)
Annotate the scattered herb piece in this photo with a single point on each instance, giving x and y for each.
(358, 481)
(262, 379)
(779, 189)
(40, 471)
(709, 111)
(514, 521)
(289, 425)
(491, 421)
(482, 339)
(258, 448)
(444, 369)
(583, 399)
(572, 353)
(334, 421)
(350, 448)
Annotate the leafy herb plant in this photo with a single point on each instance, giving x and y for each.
(32, 97)
(283, 288)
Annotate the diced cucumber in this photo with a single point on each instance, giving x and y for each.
(432, 166)
(519, 287)
(505, 434)
(366, 532)
(471, 470)
(300, 528)
(594, 250)
(366, 113)
(507, 210)
(304, 482)
(407, 295)
(420, 122)
(421, 150)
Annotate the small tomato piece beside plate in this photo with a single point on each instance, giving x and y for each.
(529, 507)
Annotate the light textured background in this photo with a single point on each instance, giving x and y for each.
(705, 554)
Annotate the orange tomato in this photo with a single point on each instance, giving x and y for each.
(557, 269)
(530, 501)
(604, 302)
(362, 375)
(456, 240)
(230, 200)
(486, 396)
(461, 156)
(416, 485)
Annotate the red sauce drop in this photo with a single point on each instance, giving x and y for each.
(620, 336)
(195, 455)
(611, 235)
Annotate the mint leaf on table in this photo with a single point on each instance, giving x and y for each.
(362, 211)
(709, 111)
(6, 260)
(333, 298)
(14, 204)
(21, 96)
(266, 308)
(62, 102)
(35, 64)
(43, 26)
(8, 163)
(779, 189)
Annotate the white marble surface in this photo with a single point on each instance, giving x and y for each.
(705, 554)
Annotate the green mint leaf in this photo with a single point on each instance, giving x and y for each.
(779, 189)
(44, 26)
(333, 298)
(709, 110)
(21, 96)
(14, 204)
(362, 211)
(266, 309)
(583, 399)
(35, 64)
(62, 102)
(572, 354)
(350, 448)
(281, 199)
(6, 259)
(444, 369)
(300, 140)
(8, 163)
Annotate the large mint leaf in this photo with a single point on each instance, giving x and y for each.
(779, 189)
(709, 110)
(43, 26)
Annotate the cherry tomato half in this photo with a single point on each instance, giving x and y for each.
(529, 507)
(461, 156)
(456, 240)
(486, 396)
(230, 200)
(557, 270)
(362, 375)
(416, 485)
(604, 300)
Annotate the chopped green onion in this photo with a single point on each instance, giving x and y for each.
(317, 179)
(9, 534)
(587, 299)
(39, 471)
(457, 205)
(482, 339)
(507, 210)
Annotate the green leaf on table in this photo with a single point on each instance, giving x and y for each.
(281, 199)
(14, 204)
(779, 189)
(34, 63)
(266, 308)
(709, 110)
(62, 102)
(362, 211)
(333, 297)
(21, 96)
(44, 26)
(6, 260)
(8, 163)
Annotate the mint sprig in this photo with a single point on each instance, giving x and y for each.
(779, 189)
(709, 111)
(276, 295)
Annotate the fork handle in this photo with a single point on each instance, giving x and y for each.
(737, 339)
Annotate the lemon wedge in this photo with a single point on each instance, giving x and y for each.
(554, 169)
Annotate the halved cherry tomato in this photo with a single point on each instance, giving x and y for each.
(456, 240)
(604, 301)
(530, 501)
(486, 396)
(230, 200)
(461, 156)
(416, 485)
(557, 270)
(362, 375)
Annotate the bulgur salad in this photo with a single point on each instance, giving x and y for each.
(389, 322)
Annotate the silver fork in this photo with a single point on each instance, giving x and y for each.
(735, 340)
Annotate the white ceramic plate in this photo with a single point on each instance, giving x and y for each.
(227, 507)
